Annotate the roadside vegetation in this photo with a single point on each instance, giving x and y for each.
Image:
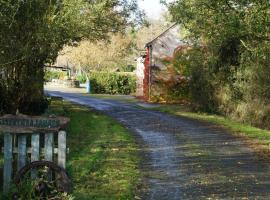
(103, 159)
(34, 32)
(112, 83)
(102, 82)
(226, 59)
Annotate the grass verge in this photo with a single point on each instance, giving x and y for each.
(103, 158)
(122, 98)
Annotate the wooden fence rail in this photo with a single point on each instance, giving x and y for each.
(29, 139)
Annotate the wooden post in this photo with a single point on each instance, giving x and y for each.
(62, 149)
(49, 146)
(49, 150)
(22, 154)
(35, 151)
(7, 161)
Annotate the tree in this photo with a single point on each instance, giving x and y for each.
(102, 55)
(116, 53)
(236, 35)
(34, 31)
(151, 30)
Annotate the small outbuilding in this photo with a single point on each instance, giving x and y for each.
(152, 64)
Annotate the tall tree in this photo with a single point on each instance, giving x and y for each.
(101, 55)
(116, 53)
(34, 31)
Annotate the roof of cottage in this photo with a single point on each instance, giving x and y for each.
(163, 33)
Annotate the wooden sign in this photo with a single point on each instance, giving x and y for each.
(31, 124)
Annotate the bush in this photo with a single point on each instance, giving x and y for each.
(112, 83)
(239, 90)
(128, 68)
(199, 90)
(81, 78)
(31, 105)
(34, 107)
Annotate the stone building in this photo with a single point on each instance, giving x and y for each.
(151, 67)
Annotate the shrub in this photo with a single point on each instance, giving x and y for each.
(34, 106)
(112, 83)
(192, 63)
(81, 78)
(128, 68)
(235, 87)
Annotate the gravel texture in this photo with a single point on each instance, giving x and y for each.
(184, 158)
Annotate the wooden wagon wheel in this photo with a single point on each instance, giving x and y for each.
(51, 179)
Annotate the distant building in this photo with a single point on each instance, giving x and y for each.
(152, 65)
(140, 76)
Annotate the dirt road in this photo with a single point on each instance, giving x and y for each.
(184, 158)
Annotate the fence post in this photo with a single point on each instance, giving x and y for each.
(22, 154)
(49, 149)
(62, 149)
(7, 161)
(35, 151)
(49, 146)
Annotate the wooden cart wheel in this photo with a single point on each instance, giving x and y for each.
(50, 179)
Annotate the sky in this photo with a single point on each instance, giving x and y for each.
(153, 8)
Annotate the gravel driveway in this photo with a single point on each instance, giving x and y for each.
(184, 158)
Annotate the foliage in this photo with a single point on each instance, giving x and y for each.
(33, 32)
(169, 86)
(112, 83)
(129, 68)
(3, 99)
(118, 53)
(50, 75)
(192, 63)
(27, 191)
(103, 159)
(81, 78)
(103, 55)
(252, 86)
(232, 74)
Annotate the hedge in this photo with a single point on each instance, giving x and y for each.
(112, 83)
(50, 75)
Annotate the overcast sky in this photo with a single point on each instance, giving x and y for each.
(153, 8)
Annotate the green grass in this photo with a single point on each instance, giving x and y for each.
(238, 128)
(103, 158)
(122, 98)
